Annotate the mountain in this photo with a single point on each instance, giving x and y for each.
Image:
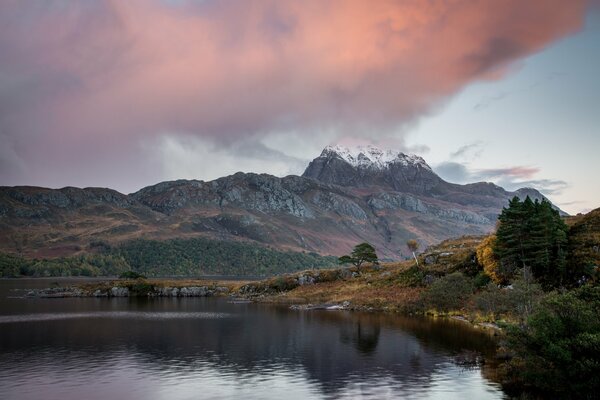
(344, 197)
(369, 166)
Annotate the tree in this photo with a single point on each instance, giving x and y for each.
(361, 254)
(532, 235)
(488, 260)
(413, 246)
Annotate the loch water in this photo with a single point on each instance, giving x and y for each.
(213, 348)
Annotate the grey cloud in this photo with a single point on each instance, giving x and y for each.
(510, 178)
(472, 151)
(453, 172)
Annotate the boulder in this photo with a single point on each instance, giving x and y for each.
(118, 291)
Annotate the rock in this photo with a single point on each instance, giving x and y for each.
(430, 259)
(167, 291)
(117, 291)
(99, 293)
(305, 280)
(193, 291)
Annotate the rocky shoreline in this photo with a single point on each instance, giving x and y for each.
(248, 293)
(126, 291)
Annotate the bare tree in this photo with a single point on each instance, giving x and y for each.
(413, 246)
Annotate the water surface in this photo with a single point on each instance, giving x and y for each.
(207, 348)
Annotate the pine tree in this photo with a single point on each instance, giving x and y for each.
(510, 238)
(361, 254)
(532, 235)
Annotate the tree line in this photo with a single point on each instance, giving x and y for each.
(177, 257)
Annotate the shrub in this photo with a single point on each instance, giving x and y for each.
(131, 275)
(141, 287)
(481, 280)
(284, 283)
(493, 300)
(450, 292)
(412, 277)
(558, 351)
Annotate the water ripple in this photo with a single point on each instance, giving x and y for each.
(4, 319)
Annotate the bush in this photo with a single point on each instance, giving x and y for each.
(131, 275)
(493, 300)
(283, 283)
(141, 287)
(558, 352)
(450, 292)
(517, 301)
(412, 277)
(481, 280)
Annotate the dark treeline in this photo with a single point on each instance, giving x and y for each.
(188, 257)
(178, 257)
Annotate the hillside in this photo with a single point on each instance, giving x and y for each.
(344, 197)
(584, 239)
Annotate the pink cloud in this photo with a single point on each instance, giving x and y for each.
(83, 83)
(519, 172)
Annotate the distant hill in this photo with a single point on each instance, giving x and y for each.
(345, 196)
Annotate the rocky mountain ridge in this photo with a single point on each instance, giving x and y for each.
(344, 197)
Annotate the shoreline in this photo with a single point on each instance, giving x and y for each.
(235, 289)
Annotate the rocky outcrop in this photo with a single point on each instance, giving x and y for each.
(410, 203)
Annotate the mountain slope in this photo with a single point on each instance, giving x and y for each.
(344, 197)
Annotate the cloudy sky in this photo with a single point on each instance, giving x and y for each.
(124, 94)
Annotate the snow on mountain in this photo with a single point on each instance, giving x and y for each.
(374, 157)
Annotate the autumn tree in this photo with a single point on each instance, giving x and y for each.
(413, 246)
(489, 261)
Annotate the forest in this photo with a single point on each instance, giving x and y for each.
(177, 257)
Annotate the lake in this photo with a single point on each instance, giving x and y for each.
(211, 348)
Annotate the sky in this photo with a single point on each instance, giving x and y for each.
(125, 94)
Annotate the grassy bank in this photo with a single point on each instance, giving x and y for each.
(392, 287)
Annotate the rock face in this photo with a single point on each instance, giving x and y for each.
(344, 197)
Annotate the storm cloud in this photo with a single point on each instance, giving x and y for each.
(96, 92)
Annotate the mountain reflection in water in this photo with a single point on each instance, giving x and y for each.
(209, 348)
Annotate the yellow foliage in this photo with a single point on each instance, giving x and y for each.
(487, 259)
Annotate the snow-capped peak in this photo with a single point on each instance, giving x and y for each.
(373, 157)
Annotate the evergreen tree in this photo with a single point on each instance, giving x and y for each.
(361, 254)
(532, 235)
(510, 237)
